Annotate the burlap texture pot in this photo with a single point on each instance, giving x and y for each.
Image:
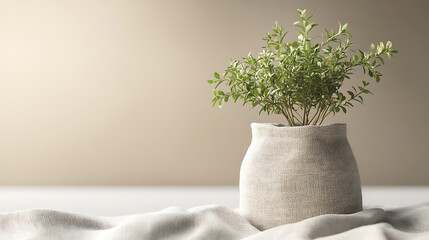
(293, 173)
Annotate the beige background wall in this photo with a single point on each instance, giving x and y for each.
(114, 92)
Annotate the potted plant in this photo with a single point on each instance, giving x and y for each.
(305, 168)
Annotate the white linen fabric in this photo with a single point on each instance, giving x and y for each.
(214, 222)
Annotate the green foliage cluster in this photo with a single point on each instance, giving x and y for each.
(301, 80)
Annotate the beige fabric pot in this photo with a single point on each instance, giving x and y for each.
(293, 173)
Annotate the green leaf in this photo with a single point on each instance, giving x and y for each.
(380, 48)
(362, 55)
(388, 44)
(371, 47)
(226, 98)
(302, 12)
(216, 75)
(221, 102)
(381, 59)
(210, 81)
(281, 39)
(235, 97)
(327, 33)
(344, 27)
(294, 44)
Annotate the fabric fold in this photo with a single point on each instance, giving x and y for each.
(214, 222)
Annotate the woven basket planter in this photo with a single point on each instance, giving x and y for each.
(293, 173)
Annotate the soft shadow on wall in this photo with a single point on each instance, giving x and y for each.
(96, 92)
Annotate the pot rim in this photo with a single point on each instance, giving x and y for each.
(332, 130)
(281, 125)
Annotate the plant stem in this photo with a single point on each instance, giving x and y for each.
(322, 108)
(287, 118)
(318, 109)
(324, 115)
(303, 118)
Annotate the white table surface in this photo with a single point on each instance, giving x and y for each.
(116, 201)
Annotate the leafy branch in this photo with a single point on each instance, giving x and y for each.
(301, 80)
